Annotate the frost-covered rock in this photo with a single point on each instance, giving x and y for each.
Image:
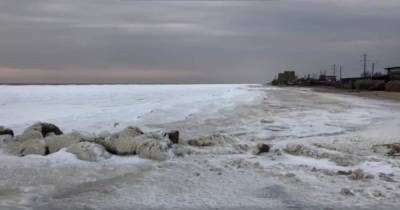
(6, 131)
(28, 135)
(359, 174)
(154, 149)
(55, 143)
(216, 139)
(5, 141)
(294, 148)
(131, 131)
(88, 151)
(43, 128)
(38, 131)
(33, 146)
(118, 144)
(124, 142)
(318, 153)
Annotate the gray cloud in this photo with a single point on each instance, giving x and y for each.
(191, 41)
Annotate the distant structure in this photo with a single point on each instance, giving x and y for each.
(286, 78)
(327, 78)
(367, 81)
(393, 72)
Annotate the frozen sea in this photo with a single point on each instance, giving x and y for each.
(95, 108)
(338, 131)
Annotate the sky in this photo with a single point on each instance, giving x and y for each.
(211, 41)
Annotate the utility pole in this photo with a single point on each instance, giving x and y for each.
(334, 70)
(340, 72)
(373, 70)
(365, 64)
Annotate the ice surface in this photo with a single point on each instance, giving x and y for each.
(216, 177)
(100, 107)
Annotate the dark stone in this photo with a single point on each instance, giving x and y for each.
(173, 136)
(6, 131)
(47, 128)
(262, 148)
(344, 172)
(50, 128)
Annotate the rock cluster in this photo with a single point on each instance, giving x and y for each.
(46, 138)
(88, 151)
(307, 151)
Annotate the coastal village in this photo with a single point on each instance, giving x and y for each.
(370, 81)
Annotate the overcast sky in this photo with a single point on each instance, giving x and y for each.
(54, 41)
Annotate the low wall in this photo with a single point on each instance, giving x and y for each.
(393, 86)
(370, 85)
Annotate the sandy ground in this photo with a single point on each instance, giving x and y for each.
(381, 95)
(335, 131)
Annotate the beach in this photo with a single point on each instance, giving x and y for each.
(322, 153)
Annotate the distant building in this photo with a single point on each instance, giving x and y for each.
(393, 72)
(327, 78)
(287, 77)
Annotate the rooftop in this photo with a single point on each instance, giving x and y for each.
(393, 67)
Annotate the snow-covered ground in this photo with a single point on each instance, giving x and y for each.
(336, 132)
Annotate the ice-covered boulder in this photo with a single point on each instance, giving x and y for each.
(359, 174)
(154, 150)
(55, 143)
(123, 142)
(32, 147)
(131, 131)
(45, 128)
(29, 134)
(294, 149)
(6, 131)
(39, 130)
(4, 139)
(120, 145)
(88, 151)
(216, 139)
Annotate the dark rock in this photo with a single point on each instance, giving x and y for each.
(346, 192)
(44, 129)
(173, 136)
(50, 128)
(344, 172)
(6, 131)
(262, 148)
